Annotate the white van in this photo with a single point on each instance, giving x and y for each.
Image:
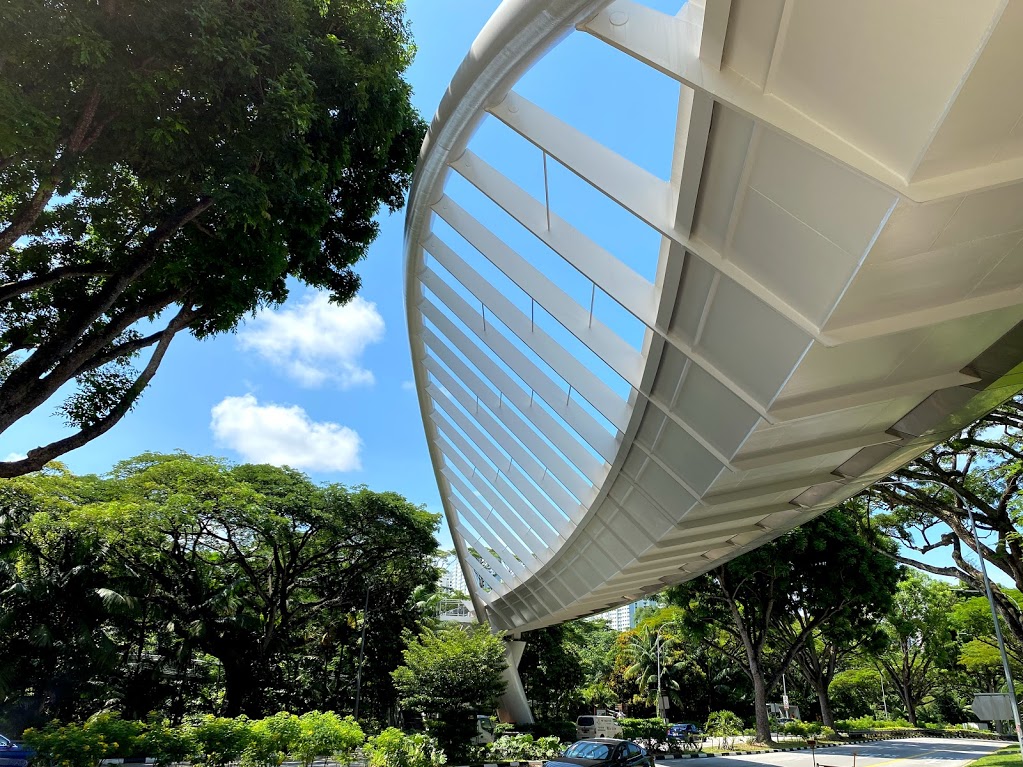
(484, 730)
(597, 727)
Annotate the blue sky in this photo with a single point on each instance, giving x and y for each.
(329, 391)
(360, 386)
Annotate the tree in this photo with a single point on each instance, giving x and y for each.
(176, 566)
(925, 506)
(919, 638)
(168, 167)
(675, 662)
(771, 601)
(551, 671)
(451, 675)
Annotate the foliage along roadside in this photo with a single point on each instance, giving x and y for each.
(207, 741)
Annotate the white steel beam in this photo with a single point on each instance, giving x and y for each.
(572, 449)
(776, 456)
(635, 189)
(925, 317)
(480, 569)
(770, 488)
(513, 541)
(660, 41)
(466, 515)
(571, 412)
(794, 408)
(632, 292)
(538, 523)
(590, 387)
(519, 460)
(626, 361)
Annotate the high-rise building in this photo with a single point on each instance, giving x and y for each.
(622, 618)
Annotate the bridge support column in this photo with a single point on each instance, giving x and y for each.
(514, 707)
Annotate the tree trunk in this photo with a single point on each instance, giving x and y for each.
(760, 704)
(827, 718)
(241, 688)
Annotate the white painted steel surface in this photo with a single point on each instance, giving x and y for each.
(839, 286)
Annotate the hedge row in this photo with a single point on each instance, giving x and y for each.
(217, 741)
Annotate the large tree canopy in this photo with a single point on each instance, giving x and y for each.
(168, 165)
(127, 588)
(926, 505)
(826, 575)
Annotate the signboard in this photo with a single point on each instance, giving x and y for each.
(993, 706)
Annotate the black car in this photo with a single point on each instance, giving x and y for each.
(603, 752)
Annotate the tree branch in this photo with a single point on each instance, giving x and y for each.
(40, 456)
(13, 289)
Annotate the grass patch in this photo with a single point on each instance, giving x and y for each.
(1005, 757)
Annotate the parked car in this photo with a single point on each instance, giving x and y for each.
(683, 730)
(603, 752)
(13, 755)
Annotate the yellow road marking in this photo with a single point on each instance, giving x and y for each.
(904, 758)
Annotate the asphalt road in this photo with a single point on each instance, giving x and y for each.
(913, 752)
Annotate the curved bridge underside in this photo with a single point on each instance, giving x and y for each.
(828, 284)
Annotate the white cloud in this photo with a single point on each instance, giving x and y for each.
(316, 341)
(408, 385)
(11, 457)
(284, 435)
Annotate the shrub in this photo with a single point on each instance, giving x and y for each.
(828, 734)
(524, 748)
(165, 743)
(802, 729)
(393, 748)
(327, 734)
(723, 724)
(271, 740)
(218, 740)
(650, 731)
(123, 739)
(503, 728)
(559, 728)
(70, 745)
(869, 723)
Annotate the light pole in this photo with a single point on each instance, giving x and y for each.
(660, 700)
(657, 644)
(994, 612)
(884, 700)
(998, 629)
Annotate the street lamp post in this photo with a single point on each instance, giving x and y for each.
(994, 612)
(998, 629)
(660, 700)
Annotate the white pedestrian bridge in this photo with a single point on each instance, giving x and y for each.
(824, 280)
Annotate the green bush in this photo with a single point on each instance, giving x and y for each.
(650, 731)
(218, 740)
(271, 740)
(524, 748)
(828, 734)
(69, 745)
(543, 728)
(723, 724)
(503, 728)
(165, 743)
(393, 748)
(869, 723)
(327, 734)
(123, 738)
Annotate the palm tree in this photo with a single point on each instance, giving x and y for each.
(642, 651)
